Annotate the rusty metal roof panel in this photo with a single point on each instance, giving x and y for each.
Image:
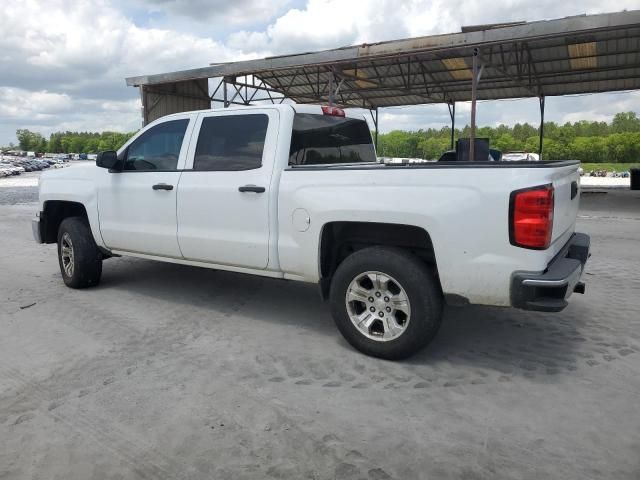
(572, 55)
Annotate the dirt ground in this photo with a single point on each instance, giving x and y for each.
(167, 372)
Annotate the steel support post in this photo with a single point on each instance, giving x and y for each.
(331, 89)
(376, 123)
(542, 102)
(224, 92)
(452, 114)
(474, 87)
(143, 108)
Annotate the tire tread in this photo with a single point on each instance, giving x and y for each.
(87, 257)
(418, 280)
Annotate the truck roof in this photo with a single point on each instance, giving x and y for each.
(298, 108)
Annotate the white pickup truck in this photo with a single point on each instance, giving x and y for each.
(296, 192)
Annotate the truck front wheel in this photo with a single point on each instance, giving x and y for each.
(386, 302)
(78, 255)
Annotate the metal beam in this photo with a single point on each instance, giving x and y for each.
(458, 90)
(505, 63)
(489, 82)
(542, 101)
(375, 123)
(174, 93)
(475, 77)
(505, 72)
(143, 107)
(452, 114)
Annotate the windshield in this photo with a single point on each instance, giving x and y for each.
(326, 139)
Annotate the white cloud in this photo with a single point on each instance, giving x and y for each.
(76, 38)
(327, 24)
(238, 12)
(19, 104)
(76, 54)
(336, 23)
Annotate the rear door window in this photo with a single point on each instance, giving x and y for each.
(231, 142)
(325, 139)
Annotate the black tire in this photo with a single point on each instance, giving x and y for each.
(422, 290)
(86, 259)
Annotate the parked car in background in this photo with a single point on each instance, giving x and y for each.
(9, 169)
(35, 166)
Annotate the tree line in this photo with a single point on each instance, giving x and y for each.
(617, 141)
(71, 142)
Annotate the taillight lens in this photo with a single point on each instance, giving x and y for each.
(531, 217)
(334, 111)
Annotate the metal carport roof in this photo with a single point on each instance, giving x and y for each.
(581, 54)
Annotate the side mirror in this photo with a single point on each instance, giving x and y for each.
(107, 159)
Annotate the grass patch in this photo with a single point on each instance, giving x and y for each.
(609, 167)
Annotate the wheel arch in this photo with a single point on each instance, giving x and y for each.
(340, 239)
(54, 212)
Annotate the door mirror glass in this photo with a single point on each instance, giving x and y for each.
(107, 159)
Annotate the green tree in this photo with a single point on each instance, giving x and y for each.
(625, 122)
(507, 142)
(27, 140)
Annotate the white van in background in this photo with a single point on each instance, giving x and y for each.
(520, 157)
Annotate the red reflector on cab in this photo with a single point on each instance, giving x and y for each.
(334, 111)
(531, 217)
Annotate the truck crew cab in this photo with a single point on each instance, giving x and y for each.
(296, 192)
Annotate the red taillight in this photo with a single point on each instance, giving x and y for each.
(335, 111)
(531, 217)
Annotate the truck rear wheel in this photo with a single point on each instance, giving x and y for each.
(386, 302)
(78, 255)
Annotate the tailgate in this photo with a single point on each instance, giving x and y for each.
(566, 184)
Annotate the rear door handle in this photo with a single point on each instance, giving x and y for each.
(251, 188)
(162, 186)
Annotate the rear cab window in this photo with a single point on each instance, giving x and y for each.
(325, 140)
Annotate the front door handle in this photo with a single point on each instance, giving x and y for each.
(251, 188)
(162, 186)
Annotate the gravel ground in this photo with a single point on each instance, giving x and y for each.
(165, 371)
(19, 189)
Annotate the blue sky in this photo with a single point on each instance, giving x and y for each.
(63, 62)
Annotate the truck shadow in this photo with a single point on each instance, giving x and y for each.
(501, 341)
(220, 294)
(509, 341)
